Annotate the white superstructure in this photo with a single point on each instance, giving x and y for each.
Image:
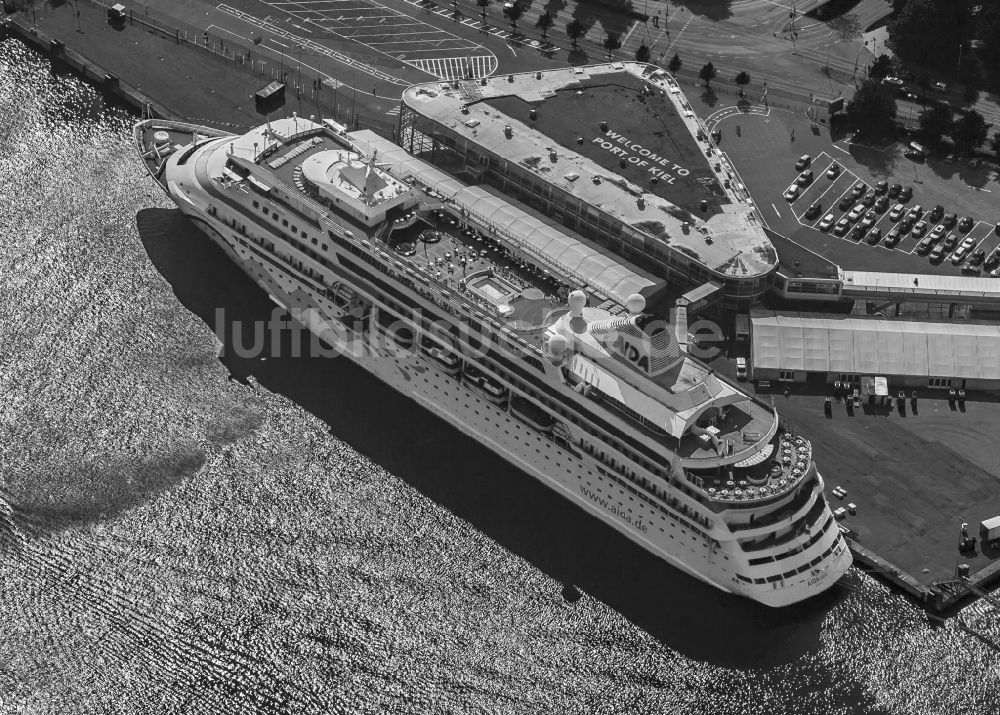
(578, 387)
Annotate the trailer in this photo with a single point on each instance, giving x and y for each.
(989, 530)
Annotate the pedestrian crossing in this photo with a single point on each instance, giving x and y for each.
(394, 112)
(449, 68)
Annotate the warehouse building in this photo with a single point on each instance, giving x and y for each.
(824, 348)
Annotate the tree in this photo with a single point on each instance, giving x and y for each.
(988, 23)
(707, 74)
(995, 144)
(972, 75)
(930, 31)
(545, 22)
(742, 79)
(969, 132)
(642, 53)
(575, 30)
(675, 63)
(846, 27)
(880, 68)
(513, 14)
(936, 122)
(872, 109)
(611, 43)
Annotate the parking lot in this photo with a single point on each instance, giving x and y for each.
(399, 35)
(828, 194)
(764, 150)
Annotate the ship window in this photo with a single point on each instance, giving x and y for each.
(314, 241)
(741, 577)
(276, 217)
(284, 222)
(324, 247)
(758, 581)
(294, 230)
(773, 579)
(266, 212)
(256, 204)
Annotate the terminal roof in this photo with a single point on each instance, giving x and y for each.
(730, 241)
(856, 345)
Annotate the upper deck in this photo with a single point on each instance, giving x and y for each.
(638, 154)
(465, 265)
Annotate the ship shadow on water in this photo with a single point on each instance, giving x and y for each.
(507, 505)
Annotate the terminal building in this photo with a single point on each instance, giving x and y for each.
(826, 348)
(615, 154)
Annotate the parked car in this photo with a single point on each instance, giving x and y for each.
(936, 213)
(874, 236)
(915, 213)
(857, 212)
(906, 224)
(858, 191)
(959, 255)
(814, 210)
(882, 187)
(894, 191)
(905, 194)
(995, 273)
(950, 158)
(805, 178)
(970, 270)
(792, 193)
(858, 233)
(925, 245)
(937, 233)
(892, 238)
(845, 203)
(894, 81)
(869, 199)
(920, 229)
(914, 154)
(996, 229)
(804, 161)
(965, 224)
(949, 220)
(896, 212)
(827, 223)
(869, 220)
(977, 257)
(841, 228)
(993, 261)
(937, 254)
(950, 241)
(974, 162)
(833, 172)
(741, 368)
(881, 203)
(968, 242)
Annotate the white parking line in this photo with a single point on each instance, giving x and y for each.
(776, 210)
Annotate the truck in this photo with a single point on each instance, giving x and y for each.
(741, 368)
(989, 530)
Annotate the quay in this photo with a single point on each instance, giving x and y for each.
(914, 478)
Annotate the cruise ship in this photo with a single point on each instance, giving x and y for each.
(583, 388)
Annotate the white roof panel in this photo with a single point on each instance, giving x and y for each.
(868, 346)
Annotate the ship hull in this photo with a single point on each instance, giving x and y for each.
(575, 475)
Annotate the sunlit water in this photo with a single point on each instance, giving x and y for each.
(174, 540)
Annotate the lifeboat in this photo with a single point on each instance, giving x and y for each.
(475, 380)
(531, 415)
(441, 357)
